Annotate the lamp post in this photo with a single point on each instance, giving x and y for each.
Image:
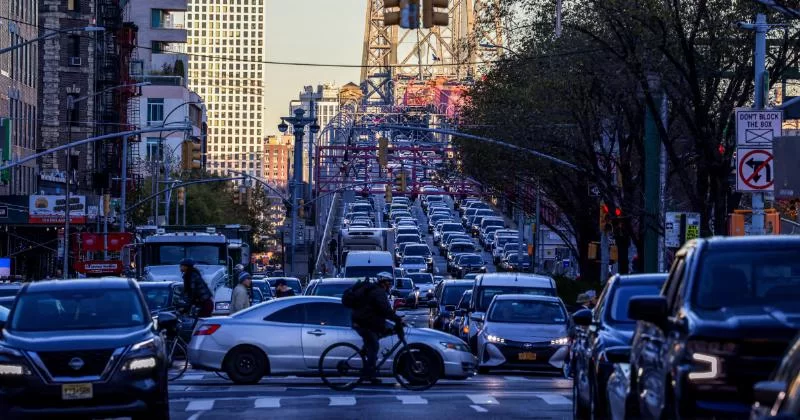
(298, 122)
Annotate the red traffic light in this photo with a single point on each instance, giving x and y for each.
(605, 209)
(618, 212)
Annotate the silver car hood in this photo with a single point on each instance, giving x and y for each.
(422, 333)
(526, 332)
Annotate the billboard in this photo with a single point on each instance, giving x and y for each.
(50, 209)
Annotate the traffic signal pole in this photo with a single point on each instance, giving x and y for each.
(759, 61)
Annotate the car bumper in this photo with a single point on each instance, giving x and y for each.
(206, 354)
(459, 364)
(122, 393)
(510, 356)
(732, 397)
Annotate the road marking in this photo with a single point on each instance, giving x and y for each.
(479, 408)
(554, 399)
(515, 378)
(411, 399)
(482, 399)
(200, 405)
(192, 377)
(196, 415)
(268, 403)
(342, 401)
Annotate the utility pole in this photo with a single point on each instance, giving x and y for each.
(759, 60)
(520, 227)
(652, 186)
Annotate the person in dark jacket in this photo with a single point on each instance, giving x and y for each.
(282, 289)
(369, 321)
(195, 289)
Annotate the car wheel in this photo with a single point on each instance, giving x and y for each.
(245, 365)
(483, 370)
(579, 411)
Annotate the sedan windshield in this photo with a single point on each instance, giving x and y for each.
(293, 283)
(527, 312)
(752, 278)
(78, 310)
(201, 254)
(417, 250)
(414, 260)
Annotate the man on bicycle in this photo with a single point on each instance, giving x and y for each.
(369, 316)
(195, 289)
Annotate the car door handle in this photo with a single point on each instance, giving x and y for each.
(316, 332)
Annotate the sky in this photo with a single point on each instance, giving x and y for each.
(315, 31)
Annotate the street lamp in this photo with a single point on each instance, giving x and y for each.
(299, 122)
(52, 34)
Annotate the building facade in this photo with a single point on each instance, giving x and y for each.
(322, 103)
(275, 160)
(227, 46)
(19, 81)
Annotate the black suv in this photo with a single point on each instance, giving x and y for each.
(446, 296)
(726, 315)
(607, 336)
(82, 348)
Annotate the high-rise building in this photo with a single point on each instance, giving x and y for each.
(226, 42)
(19, 80)
(324, 102)
(276, 158)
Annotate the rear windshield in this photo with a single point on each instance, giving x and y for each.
(403, 284)
(417, 250)
(487, 293)
(78, 310)
(470, 259)
(490, 222)
(328, 289)
(462, 248)
(454, 227)
(366, 271)
(452, 294)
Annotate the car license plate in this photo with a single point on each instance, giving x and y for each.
(527, 356)
(76, 391)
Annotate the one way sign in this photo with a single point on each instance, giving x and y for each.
(754, 170)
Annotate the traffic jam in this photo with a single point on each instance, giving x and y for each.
(715, 337)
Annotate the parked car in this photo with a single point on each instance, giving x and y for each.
(443, 305)
(287, 337)
(86, 347)
(780, 395)
(523, 332)
(607, 327)
(723, 321)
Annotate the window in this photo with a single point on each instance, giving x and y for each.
(327, 314)
(74, 111)
(155, 110)
(74, 5)
(292, 315)
(74, 46)
(154, 149)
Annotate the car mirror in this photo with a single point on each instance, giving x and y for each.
(450, 308)
(618, 354)
(766, 392)
(478, 317)
(582, 317)
(649, 309)
(167, 321)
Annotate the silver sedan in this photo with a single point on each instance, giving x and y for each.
(287, 336)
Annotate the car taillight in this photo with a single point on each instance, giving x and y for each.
(206, 329)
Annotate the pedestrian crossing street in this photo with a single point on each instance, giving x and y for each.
(477, 402)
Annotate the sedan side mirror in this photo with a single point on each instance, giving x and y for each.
(477, 317)
(766, 392)
(618, 354)
(649, 309)
(582, 317)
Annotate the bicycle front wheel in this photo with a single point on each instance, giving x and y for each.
(341, 366)
(416, 369)
(178, 359)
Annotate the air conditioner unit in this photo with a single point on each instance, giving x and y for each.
(74, 61)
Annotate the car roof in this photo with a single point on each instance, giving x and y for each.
(747, 242)
(458, 283)
(502, 279)
(336, 280)
(649, 278)
(527, 297)
(79, 284)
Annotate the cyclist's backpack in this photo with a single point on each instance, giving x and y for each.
(354, 296)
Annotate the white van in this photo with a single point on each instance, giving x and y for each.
(361, 264)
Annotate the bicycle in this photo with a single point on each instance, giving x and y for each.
(177, 355)
(341, 365)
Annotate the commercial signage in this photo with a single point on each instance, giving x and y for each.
(51, 209)
(99, 267)
(95, 242)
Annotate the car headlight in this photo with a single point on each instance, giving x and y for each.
(142, 363)
(706, 366)
(495, 339)
(145, 345)
(455, 346)
(563, 341)
(8, 369)
(222, 306)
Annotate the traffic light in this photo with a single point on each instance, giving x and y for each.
(181, 195)
(383, 149)
(430, 17)
(605, 218)
(106, 204)
(191, 155)
(404, 13)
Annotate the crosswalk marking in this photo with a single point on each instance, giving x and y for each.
(479, 408)
(554, 399)
(335, 401)
(268, 402)
(200, 405)
(192, 377)
(482, 399)
(412, 399)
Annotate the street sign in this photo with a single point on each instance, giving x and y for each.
(754, 170)
(757, 128)
(692, 226)
(672, 229)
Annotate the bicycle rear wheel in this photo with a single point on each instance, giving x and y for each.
(341, 366)
(416, 369)
(178, 359)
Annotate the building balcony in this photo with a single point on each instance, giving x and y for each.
(159, 80)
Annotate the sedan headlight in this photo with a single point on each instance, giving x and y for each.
(455, 346)
(495, 339)
(8, 369)
(222, 306)
(563, 341)
(142, 363)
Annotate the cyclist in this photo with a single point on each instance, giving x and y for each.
(282, 289)
(195, 289)
(369, 316)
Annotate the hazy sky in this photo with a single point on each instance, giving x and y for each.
(316, 31)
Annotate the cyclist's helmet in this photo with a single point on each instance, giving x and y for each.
(239, 268)
(384, 277)
(187, 262)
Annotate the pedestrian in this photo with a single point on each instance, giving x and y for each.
(333, 249)
(282, 289)
(195, 289)
(583, 301)
(240, 298)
